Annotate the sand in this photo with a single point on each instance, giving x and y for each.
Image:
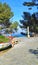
(19, 54)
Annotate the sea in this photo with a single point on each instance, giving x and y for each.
(16, 35)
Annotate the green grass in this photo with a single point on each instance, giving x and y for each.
(3, 39)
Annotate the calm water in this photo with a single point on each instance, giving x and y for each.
(18, 35)
(15, 35)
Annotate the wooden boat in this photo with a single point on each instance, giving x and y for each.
(4, 46)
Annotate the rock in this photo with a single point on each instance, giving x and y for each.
(14, 41)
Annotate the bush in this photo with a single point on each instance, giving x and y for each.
(3, 39)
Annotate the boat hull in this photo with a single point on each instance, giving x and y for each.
(3, 47)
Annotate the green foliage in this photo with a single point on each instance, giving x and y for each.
(30, 19)
(12, 28)
(0, 28)
(8, 30)
(14, 25)
(3, 39)
(29, 4)
(5, 13)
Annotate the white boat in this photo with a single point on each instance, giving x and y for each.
(4, 46)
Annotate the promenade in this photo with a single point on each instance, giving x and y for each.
(19, 54)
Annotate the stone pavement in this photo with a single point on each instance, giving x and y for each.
(19, 54)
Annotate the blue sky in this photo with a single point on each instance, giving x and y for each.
(18, 8)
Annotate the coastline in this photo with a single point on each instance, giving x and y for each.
(19, 54)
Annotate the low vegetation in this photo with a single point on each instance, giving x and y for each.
(3, 39)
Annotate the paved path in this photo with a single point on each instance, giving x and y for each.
(19, 54)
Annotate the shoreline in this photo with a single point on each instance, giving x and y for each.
(19, 40)
(19, 54)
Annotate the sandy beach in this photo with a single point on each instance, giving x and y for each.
(19, 54)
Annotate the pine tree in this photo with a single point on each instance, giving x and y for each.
(29, 19)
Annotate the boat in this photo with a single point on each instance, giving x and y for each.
(23, 33)
(4, 46)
